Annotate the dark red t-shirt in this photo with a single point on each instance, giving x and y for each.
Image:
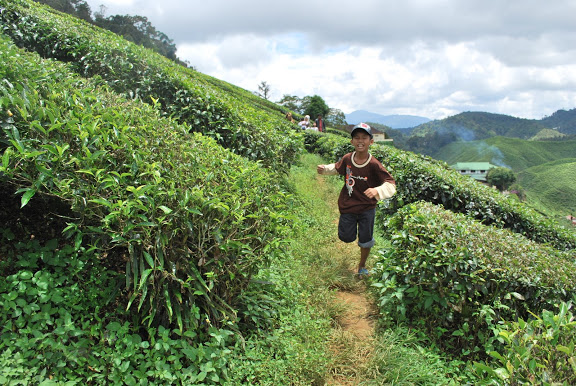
(358, 178)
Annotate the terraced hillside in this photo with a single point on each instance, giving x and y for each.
(141, 199)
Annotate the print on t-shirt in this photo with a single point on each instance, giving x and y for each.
(350, 180)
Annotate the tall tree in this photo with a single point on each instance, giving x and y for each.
(501, 178)
(263, 90)
(316, 106)
(335, 118)
(291, 102)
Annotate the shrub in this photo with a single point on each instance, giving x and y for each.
(539, 350)
(59, 322)
(189, 221)
(459, 279)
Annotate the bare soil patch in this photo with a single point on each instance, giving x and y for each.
(358, 319)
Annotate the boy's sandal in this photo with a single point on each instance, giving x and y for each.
(363, 272)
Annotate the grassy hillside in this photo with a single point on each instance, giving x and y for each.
(543, 168)
(516, 154)
(227, 113)
(551, 186)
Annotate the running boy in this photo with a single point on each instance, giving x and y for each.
(367, 181)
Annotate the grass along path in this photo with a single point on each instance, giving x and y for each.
(361, 352)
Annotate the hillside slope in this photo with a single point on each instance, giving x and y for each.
(551, 186)
(238, 120)
(516, 154)
(563, 120)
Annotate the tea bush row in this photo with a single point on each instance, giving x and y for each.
(423, 178)
(189, 221)
(237, 123)
(460, 279)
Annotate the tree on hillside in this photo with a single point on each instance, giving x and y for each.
(139, 30)
(314, 106)
(136, 29)
(263, 90)
(78, 8)
(291, 102)
(501, 178)
(335, 118)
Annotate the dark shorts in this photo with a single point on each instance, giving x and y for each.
(361, 224)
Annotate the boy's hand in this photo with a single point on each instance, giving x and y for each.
(320, 169)
(371, 193)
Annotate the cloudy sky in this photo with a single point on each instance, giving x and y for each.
(431, 58)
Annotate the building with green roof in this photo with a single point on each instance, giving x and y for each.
(476, 170)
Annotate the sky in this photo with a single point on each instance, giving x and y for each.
(429, 58)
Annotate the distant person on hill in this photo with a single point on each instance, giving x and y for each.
(320, 123)
(289, 117)
(366, 182)
(305, 122)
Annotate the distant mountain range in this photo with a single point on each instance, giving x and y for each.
(392, 121)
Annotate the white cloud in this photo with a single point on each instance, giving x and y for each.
(424, 57)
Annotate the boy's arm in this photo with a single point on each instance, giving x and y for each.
(329, 169)
(386, 190)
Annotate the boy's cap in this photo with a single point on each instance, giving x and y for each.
(364, 127)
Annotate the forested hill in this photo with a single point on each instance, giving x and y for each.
(563, 120)
(470, 126)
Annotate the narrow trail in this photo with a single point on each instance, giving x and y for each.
(353, 335)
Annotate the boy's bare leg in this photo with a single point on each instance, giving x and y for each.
(364, 252)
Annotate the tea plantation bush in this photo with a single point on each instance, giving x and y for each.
(537, 351)
(185, 220)
(459, 279)
(180, 93)
(423, 178)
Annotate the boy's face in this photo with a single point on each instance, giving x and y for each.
(361, 141)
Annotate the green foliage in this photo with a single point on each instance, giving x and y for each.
(178, 92)
(502, 178)
(459, 279)
(424, 179)
(136, 29)
(315, 106)
(59, 323)
(190, 221)
(139, 30)
(551, 185)
(539, 350)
